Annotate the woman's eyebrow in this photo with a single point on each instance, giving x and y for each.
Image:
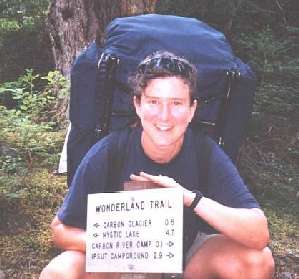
(167, 98)
(151, 96)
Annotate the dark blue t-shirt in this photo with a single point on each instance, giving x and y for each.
(224, 183)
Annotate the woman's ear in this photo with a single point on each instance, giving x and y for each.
(136, 101)
(193, 109)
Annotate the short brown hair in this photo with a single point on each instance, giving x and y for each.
(164, 64)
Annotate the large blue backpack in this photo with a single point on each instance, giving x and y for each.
(101, 101)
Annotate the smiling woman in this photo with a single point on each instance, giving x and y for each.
(163, 98)
(165, 112)
(166, 151)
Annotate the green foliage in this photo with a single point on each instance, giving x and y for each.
(28, 120)
(8, 25)
(285, 227)
(35, 148)
(10, 188)
(216, 13)
(277, 99)
(27, 206)
(269, 159)
(24, 47)
(236, 16)
(264, 33)
(23, 39)
(23, 93)
(28, 139)
(10, 164)
(265, 52)
(57, 89)
(32, 142)
(33, 188)
(57, 84)
(36, 97)
(20, 10)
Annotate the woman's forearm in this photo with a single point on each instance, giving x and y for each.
(67, 237)
(246, 226)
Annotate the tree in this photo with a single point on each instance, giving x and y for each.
(72, 24)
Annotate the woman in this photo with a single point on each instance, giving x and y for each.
(163, 149)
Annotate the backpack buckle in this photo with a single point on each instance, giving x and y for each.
(98, 132)
(108, 58)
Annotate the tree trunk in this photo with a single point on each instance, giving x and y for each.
(73, 24)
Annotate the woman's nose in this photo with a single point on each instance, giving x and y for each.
(165, 111)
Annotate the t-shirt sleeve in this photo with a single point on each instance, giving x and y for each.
(225, 183)
(90, 177)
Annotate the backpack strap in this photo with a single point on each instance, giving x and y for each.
(203, 151)
(118, 151)
(232, 75)
(103, 96)
(216, 128)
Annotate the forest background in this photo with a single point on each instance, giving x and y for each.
(33, 120)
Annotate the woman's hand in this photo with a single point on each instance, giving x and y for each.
(161, 180)
(167, 182)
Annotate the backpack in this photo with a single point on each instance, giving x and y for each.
(101, 101)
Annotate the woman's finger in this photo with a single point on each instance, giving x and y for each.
(138, 178)
(161, 179)
(155, 178)
(149, 176)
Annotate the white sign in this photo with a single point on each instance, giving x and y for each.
(135, 231)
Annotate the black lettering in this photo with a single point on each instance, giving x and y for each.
(160, 204)
(143, 243)
(130, 234)
(112, 234)
(129, 255)
(102, 245)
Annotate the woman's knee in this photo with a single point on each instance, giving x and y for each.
(249, 264)
(231, 260)
(69, 264)
(223, 258)
(261, 263)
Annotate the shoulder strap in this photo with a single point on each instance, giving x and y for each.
(116, 158)
(204, 156)
(232, 75)
(103, 96)
(204, 151)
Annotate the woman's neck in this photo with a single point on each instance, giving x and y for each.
(159, 154)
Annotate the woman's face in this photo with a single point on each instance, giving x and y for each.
(165, 112)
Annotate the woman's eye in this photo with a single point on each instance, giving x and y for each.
(177, 103)
(153, 102)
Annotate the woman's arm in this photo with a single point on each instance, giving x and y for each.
(246, 226)
(67, 237)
